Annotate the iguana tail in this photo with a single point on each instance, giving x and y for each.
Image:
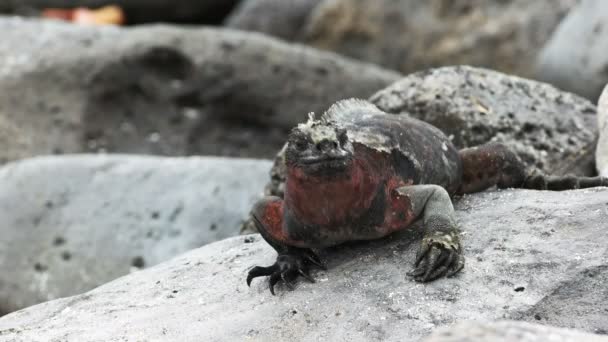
(558, 183)
(494, 164)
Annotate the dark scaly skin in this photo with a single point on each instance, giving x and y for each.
(361, 174)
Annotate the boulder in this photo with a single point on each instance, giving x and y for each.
(162, 90)
(551, 130)
(601, 154)
(523, 249)
(504, 331)
(279, 18)
(72, 223)
(413, 35)
(575, 58)
(137, 11)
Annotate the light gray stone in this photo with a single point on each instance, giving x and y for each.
(509, 331)
(72, 223)
(601, 154)
(575, 57)
(162, 90)
(523, 249)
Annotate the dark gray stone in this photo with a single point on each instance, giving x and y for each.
(552, 130)
(137, 11)
(575, 57)
(279, 18)
(162, 90)
(509, 331)
(72, 223)
(521, 246)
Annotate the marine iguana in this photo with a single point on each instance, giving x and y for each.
(357, 173)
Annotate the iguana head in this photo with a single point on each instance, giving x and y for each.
(319, 148)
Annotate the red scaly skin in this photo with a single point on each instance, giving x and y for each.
(271, 216)
(334, 203)
(330, 202)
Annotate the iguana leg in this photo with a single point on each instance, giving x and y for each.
(494, 164)
(440, 253)
(291, 261)
(488, 165)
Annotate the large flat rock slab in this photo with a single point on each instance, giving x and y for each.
(522, 248)
(509, 331)
(72, 223)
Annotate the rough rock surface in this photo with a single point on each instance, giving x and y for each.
(523, 249)
(552, 130)
(72, 223)
(509, 331)
(413, 35)
(280, 18)
(601, 154)
(575, 58)
(162, 90)
(137, 11)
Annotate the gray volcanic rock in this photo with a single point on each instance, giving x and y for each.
(410, 35)
(137, 11)
(523, 249)
(279, 18)
(72, 223)
(162, 90)
(575, 57)
(601, 153)
(509, 331)
(552, 130)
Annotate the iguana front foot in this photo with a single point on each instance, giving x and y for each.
(439, 255)
(287, 268)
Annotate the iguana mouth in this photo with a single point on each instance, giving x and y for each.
(323, 160)
(326, 166)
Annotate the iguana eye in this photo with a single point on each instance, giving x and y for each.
(301, 145)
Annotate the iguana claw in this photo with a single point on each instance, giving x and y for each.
(287, 268)
(439, 255)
